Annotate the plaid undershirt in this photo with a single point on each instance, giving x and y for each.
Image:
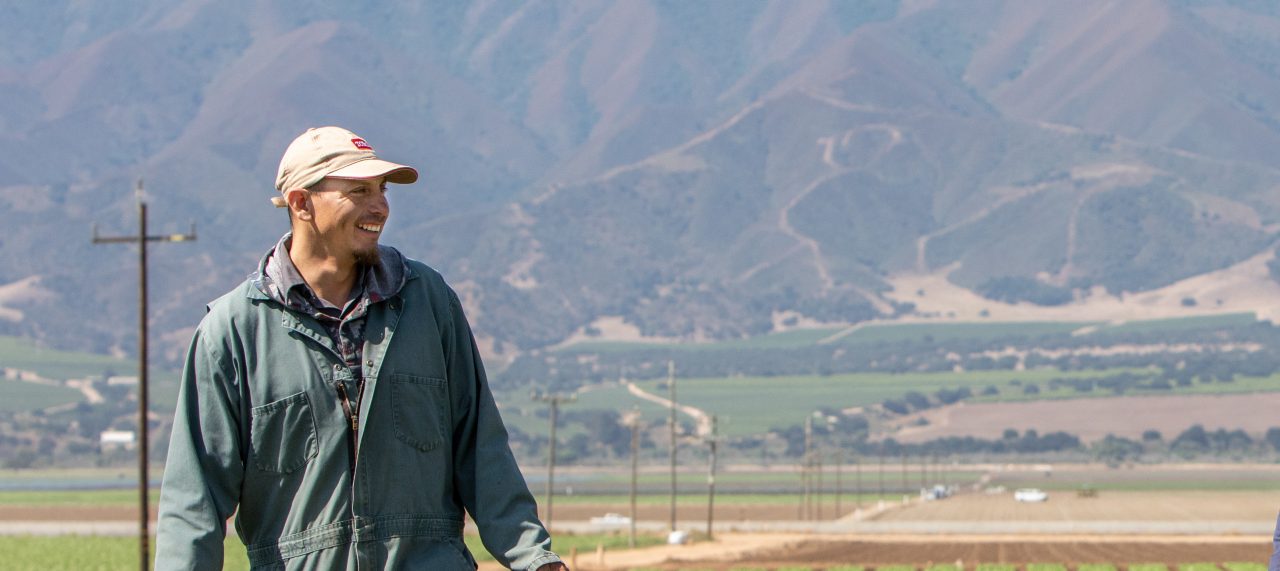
(345, 325)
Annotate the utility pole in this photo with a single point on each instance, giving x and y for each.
(671, 427)
(880, 477)
(817, 496)
(905, 485)
(553, 399)
(839, 488)
(143, 441)
(857, 483)
(924, 467)
(711, 478)
(632, 421)
(806, 464)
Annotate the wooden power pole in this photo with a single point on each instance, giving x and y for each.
(671, 427)
(554, 399)
(141, 240)
(632, 420)
(711, 477)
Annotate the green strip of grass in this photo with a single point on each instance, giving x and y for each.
(74, 497)
(92, 553)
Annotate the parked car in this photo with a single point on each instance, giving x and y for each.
(611, 519)
(1030, 495)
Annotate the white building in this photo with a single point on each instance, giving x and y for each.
(116, 439)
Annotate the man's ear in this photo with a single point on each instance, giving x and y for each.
(299, 202)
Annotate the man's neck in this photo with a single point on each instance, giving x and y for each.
(329, 277)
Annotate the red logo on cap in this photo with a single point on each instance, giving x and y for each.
(360, 144)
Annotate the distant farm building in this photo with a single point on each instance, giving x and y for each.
(117, 439)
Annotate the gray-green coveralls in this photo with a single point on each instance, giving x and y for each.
(259, 427)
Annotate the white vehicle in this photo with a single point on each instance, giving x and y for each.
(1030, 495)
(611, 519)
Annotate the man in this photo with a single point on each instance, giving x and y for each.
(336, 398)
(1274, 564)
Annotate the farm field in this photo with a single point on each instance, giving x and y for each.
(24, 396)
(23, 354)
(1068, 551)
(760, 552)
(1155, 495)
(1093, 418)
(96, 553)
(904, 330)
(1140, 506)
(755, 405)
(784, 401)
(1150, 478)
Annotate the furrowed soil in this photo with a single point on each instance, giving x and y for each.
(778, 551)
(1018, 550)
(1092, 419)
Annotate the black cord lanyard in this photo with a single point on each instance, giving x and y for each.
(353, 415)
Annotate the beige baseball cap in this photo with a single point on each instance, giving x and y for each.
(333, 152)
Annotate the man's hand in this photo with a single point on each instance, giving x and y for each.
(557, 566)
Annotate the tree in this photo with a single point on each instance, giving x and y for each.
(916, 400)
(1273, 437)
(1192, 441)
(895, 406)
(1115, 450)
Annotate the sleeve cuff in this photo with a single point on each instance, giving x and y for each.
(545, 559)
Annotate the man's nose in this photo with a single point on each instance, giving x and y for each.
(380, 205)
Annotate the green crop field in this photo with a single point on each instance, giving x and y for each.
(870, 333)
(22, 354)
(22, 396)
(100, 553)
(1179, 324)
(25, 355)
(91, 553)
(754, 405)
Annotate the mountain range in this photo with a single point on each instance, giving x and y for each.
(690, 170)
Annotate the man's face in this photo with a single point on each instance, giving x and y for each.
(348, 216)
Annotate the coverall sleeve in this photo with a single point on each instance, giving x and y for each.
(1274, 564)
(205, 466)
(485, 472)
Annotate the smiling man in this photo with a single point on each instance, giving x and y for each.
(335, 401)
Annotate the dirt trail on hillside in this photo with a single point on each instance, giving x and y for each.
(699, 416)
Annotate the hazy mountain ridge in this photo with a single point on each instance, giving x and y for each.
(694, 168)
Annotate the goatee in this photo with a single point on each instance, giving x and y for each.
(369, 257)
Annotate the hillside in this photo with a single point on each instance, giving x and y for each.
(690, 170)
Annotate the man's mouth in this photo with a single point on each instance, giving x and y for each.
(375, 228)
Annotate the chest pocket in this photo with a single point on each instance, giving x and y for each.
(421, 410)
(283, 434)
